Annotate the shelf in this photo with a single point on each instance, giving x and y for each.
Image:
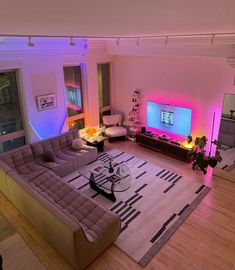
(163, 146)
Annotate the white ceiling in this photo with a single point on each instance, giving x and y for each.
(116, 17)
(124, 18)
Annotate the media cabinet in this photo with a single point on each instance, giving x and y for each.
(163, 146)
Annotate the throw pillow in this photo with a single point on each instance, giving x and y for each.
(48, 156)
(77, 144)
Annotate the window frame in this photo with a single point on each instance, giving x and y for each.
(83, 95)
(23, 132)
(108, 107)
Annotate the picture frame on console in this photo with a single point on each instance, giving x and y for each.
(46, 102)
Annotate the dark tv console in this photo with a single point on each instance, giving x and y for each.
(164, 146)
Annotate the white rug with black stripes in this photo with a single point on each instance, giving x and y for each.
(151, 210)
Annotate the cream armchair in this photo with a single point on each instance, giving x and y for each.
(113, 126)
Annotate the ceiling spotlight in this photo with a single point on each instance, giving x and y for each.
(138, 42)
(30, 43)
(212, 39)
(72, 42)
(166, 40)
(118, 41)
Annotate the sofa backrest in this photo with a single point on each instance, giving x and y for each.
(227, 126)
(55, 144)
(17, 157)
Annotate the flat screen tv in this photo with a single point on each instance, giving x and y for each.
(169, 118)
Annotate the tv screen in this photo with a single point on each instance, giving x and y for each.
(167, 117)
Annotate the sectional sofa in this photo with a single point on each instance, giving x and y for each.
(76, 225)
(227, 132)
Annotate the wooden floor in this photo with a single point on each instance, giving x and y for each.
(205, 241)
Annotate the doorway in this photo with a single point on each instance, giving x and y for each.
(226, 168)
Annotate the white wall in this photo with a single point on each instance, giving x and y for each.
(195, 82)
(40, 73)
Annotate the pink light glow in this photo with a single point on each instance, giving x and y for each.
(181, 102)
(202, 117)
(73, 107)
(72, 84)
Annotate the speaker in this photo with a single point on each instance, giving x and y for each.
(143, 129)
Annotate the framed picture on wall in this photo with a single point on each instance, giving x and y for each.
(46, 102)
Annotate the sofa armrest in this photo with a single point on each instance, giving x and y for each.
(5, 167)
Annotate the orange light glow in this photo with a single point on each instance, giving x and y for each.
(187, 145)
(91, 131)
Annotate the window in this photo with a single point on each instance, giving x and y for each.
(73, 88)
(103, 71)
(12, 133)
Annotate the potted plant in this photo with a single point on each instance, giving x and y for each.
(201, 160)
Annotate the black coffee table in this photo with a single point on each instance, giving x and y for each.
(107, 182)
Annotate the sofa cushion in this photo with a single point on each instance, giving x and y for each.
(56, 144)
(22, 161)
(48, 156)
(77, 144)
(92, 217)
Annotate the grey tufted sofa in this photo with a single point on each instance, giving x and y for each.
(76, 225)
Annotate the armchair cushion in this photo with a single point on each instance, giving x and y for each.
(115, 131)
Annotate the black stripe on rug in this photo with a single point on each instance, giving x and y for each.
(137, 177)
(170, 187)
(119, 154)
(130, 159)
(163, 175)
(159, 233)
(169, 176)
(140, 188)
(103, 157)
(95, 195)
(83, 186)
(116, 205)
(132, 218)
(123, 228)
(137, 199)
(125, 211)
(169, 220)
(200, 189)
(104, 154)
(177, 179)
(183, 209)
(160, 172)
(121, 208)
(224, 167)
(141, 165)
(128, 215)
(74, 178)
(173, 177)
(132, 197)
(163, 228)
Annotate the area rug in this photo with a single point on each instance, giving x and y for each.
(151, 210)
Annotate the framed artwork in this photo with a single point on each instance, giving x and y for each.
(46, 102)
